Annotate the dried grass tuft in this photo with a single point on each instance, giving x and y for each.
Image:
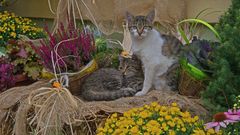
(52, 108)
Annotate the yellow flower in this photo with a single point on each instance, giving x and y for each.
(140, 122)
(160, 119)
(112, 125)
(146, 106)
(134, 130)
(110, 130)
(156, 130)
(198, 132)
(195, 118)
(146, 133)
(154, 104)
(100, 133)
(164, 127)
(183, 129)
(114, 115)
(127, 114)
(171, 124)
(174, 104)
(210, 131)
(171, 132)
(168, 117)
(143, 114)
(153, 123)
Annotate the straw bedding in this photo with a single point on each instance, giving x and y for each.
(21, 112)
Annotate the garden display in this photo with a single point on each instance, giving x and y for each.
(44, 60)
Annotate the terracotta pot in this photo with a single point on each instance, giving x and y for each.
(20, 78)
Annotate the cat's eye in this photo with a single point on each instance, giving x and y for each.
(132, 27)
(148, 27)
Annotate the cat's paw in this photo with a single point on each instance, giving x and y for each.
(141, 93)
(128, 92)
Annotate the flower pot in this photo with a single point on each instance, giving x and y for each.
(20, 78)
(76, 78)
(191, 81)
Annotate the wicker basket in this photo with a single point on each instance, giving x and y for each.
(76, 78)
(189, 86)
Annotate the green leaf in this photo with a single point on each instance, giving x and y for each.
(202, 22)
(183, 35)
(2, 51)
(201, 12)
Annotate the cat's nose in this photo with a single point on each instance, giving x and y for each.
(120, 67)
(140, 32)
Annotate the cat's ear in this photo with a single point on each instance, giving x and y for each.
(129, 17)
(150, 16)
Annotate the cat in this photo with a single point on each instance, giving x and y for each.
(158, 52)
(109, 83)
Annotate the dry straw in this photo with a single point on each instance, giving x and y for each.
(53, 107)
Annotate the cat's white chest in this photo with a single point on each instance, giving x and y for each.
(149, 48)
(150, 52)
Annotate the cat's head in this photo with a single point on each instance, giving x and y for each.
(126, 62)
(140, 26)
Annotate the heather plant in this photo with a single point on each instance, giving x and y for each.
(225, 84)
(70, 48)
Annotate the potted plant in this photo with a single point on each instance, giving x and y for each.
(195, 66)
(195, 60)
(67, 52)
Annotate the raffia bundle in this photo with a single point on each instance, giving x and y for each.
(53, 107)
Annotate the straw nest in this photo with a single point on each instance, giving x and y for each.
(39, 109)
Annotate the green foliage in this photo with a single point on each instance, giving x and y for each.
(20, 55)
(24, 59)
(226, 78)
(105, 56)
(193, 24)
(2, 51)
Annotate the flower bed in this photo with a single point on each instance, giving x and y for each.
(17, 52)
(154, 119)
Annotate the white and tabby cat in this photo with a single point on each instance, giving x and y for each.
(157, 52)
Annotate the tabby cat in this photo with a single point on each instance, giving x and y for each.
(157, 52)
(110, 84)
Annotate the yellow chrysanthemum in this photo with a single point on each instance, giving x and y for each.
(154, 119)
